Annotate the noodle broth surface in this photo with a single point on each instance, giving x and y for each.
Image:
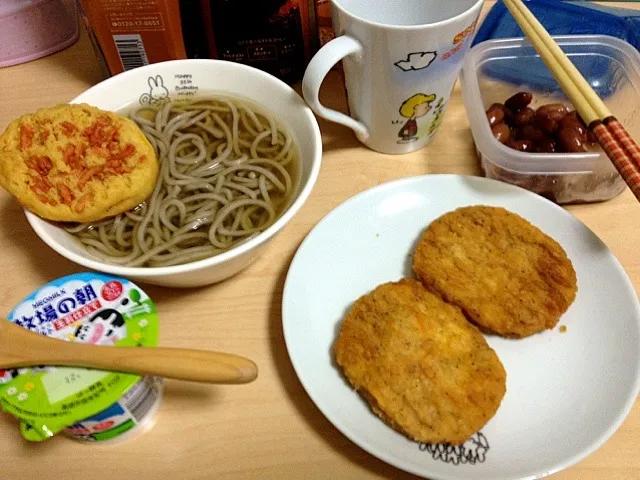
(228, 170)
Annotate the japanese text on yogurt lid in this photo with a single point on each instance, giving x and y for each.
(86, 308)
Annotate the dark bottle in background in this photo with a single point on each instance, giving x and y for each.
(277, 36)
(266, 34)
(195, 29)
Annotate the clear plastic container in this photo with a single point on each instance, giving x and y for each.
(496, 69)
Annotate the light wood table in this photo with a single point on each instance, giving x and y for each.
(270, 428)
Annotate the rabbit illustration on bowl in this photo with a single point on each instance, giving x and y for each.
(158, 93)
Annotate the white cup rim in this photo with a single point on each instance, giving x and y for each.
(389, 26)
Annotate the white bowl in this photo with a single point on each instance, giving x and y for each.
(182, 79)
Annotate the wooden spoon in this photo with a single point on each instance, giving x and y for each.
(20, 347)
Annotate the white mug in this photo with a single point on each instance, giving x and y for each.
(401, 59)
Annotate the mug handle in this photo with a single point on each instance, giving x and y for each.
(321, 63)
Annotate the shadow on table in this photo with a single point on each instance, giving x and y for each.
(336, 136)
(46, 262)
(80, 59)
(182, 396)
(22, 445)
(331, 436)
(51, 265)
(333, 96)
(189, 395)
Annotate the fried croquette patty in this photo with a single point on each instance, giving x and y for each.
(422, 367)
(504, 273)
(77, 163)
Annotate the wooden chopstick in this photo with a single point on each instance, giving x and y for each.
(615, 126)
(582, 85)
(620, 147)
(572, 91)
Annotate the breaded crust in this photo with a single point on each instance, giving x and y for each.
(421, 366)
(76, 163)
(504, 273)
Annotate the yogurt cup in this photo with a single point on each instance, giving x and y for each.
(130, 415)
(84, 404)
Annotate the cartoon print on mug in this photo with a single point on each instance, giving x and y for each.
(416, 61)
(459, 41)
(438, 115)
(414, 107)
(465, 33)
(158, 93)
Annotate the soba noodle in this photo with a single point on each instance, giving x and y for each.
(225, 176)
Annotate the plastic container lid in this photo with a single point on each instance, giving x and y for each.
(561, 18)
(88, 308)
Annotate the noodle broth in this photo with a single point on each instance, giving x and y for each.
(228, 170)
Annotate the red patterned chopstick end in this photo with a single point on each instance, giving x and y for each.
(619, 158)
(625, 139)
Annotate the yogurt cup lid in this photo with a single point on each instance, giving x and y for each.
(87, 308)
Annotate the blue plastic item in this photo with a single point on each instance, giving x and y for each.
(565, 18)
(562, 18)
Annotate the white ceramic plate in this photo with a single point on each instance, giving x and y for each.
(567, 393)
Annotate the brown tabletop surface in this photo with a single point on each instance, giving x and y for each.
(270, 428)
